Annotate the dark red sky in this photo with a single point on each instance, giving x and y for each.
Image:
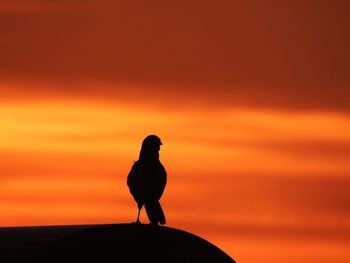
(289, 54)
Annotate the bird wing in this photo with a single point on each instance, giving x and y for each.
(162, 180)
(134, 183)
(146, 182)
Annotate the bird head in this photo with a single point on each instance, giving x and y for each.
(150, 147)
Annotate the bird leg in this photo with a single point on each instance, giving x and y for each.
(138, 216)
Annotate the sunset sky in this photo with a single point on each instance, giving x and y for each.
(250, 98)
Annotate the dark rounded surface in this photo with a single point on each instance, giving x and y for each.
(131, 243)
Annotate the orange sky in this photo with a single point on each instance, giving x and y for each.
(250, 100)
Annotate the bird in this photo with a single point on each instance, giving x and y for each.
(147, 180)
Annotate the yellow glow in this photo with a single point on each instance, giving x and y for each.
(66, 162)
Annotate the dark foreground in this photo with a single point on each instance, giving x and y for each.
(106, 243)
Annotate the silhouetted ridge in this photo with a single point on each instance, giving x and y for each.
(131, 243)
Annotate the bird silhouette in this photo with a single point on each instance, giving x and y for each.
(147, 179)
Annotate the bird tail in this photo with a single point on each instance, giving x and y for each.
(155, 212)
